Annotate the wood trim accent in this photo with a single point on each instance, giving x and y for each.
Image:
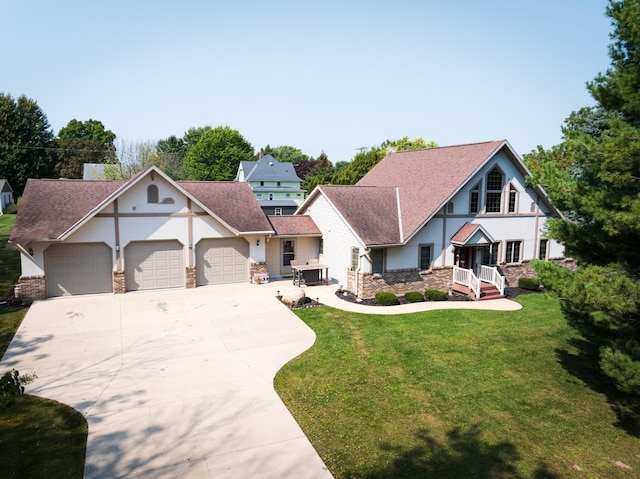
(191, 246)
(117, 234)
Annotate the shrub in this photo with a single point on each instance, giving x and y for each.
(414, 297)
(531, 284)
(386, 299)
(435, 295)
(11, 386)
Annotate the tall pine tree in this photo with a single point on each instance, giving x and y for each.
(593, 177)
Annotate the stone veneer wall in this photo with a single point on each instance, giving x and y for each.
(32, 288)
(191, 278)
(399, 281)
(119, 282)
(405, 280)
(513, 272)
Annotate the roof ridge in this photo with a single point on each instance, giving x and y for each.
(448, 146)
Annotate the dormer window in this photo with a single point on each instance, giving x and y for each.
(152, 194)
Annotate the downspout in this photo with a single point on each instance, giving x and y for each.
(358, 272)
(535, 233)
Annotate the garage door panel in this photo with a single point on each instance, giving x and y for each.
(154, 265)
(220, 261)
(83, 268)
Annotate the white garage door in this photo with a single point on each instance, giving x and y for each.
(220, 261)
(82, 268)
(154, 265)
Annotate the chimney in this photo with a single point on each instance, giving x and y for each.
(261, 153)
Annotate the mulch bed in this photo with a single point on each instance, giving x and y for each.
(509, 293)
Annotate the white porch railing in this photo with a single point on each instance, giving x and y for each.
(466, 277)
(488, 274)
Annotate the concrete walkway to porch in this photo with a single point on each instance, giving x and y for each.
(326, 294)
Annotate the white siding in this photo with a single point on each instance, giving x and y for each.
(306, 249)
(338, 238)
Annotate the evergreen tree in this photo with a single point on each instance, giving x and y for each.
(593, 177)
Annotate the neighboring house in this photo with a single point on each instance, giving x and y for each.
(421, 216)
(276, 185)
(6, 195)
(146, 233)
(93, 171)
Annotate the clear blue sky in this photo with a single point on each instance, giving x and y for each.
(318, 75)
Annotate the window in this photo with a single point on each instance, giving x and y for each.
(270, 196)
(262, 183)
(288, 195)
(513, 252)
(355, 253)
(278, 211)
(278, 184)
(377, 261)
(152, 194)
(425, 258)
(259, 195)
(494, 191)
(513, 199)
(490, 254)
(533, 207)
(542, 251)
(288, 251)
(474, 199)
(321, 247)
(450, 207)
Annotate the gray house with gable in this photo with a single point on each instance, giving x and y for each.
(275, 185)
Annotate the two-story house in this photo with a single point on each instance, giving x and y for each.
(275, 185)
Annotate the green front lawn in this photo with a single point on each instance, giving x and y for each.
(9, 258)
(39, 438)
(458, 394)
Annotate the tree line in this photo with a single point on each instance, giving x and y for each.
(29, 149)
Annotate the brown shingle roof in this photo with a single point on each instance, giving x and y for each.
(51, 207)
(427, 178)
(290, 225)
(464, 233)
(372, 212)
(233, 202)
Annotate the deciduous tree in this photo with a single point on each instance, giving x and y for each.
(26, 141)
(83, 142)
(217, 155)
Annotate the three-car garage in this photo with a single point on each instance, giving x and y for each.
(87, 268)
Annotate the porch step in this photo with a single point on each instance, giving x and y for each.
(487, 291)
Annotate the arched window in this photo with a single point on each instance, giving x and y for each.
(152, 194)
(513, 199)
(474, 199)
(493, 201)
(450, 207)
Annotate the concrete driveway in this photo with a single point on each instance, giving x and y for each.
(173, 383)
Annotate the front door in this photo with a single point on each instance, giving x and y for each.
(465, 259)
(288, 254)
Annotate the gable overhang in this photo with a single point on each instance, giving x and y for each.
(515, 158)
(318, 191)
(479, 236)
(134, 181)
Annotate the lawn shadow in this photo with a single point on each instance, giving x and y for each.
(584, 365)
(463, 454)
